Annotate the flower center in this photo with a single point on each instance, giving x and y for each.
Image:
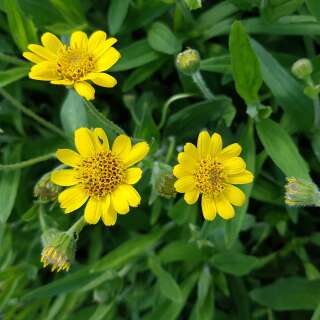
(210, 177)
(101, 174)
(74, 63)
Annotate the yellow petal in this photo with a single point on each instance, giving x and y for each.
(85, 90)
(93, 211)
(63, 82)
(131, 194)
(133, 175)
(187, 161)
(79, 40)
(234, 195)
(72, 198)
(208, 207)
(102, 79)
(65, 177)
(119, 201)
(109, 215)
(42, 52)
(215, 144)
(191, 150)
(191, 197)
(180, 171)
(68, 157)
(32, 57)
(107, 60)
(103, 137)
(51, 42)
(232, 150)
(234, 165)
(203, 144)
(185, 184)
(224, 208)
(45, 71)
(103, 47)
(84, 142)
(137, 153)
(95, 39)
(241, 178)
(121, 145)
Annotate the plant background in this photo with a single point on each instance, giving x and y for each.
(163, 261)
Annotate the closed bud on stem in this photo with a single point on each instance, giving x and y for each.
(58, 249)
(45, 190)
(301, 193)
(188, 61)
(302, 68)
(165, 185)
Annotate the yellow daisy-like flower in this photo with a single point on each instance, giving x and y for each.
(210, 170)
(101, 174)
(72, 66)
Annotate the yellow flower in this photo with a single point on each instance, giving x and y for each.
(84, 59)
(100, 174)
(211, 171)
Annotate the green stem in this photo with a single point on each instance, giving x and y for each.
(316, 105)
(27, 163)
(17, 104)
(43, 223)
(102, 119)
(12, 60)
(199, 81)
(172, 144)
(77, 227)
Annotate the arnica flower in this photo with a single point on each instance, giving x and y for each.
(101, 174)
(74, 65)
(210, 170)
(58, 250)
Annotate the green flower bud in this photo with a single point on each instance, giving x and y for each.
(45, 190)
(58, 249)
(301, 193)
(188, 61)
(165, 185)
(302, 68)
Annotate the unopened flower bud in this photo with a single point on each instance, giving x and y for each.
(301, 193)
(188, 61)
(302, 68)
(45, 190)
(165, 186)
(58, 250)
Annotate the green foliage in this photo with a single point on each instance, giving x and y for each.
(163, 261)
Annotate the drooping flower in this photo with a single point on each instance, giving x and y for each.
(58, 250)
(210, 170)
(74, 65)
(101, 174)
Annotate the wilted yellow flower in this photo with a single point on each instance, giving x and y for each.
(74, 65)
(211, 171)
(100, 174)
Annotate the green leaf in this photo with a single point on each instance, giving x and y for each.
(233, 227)
(245, 65)
(289, 294)
(220, 64)
(168, 285)
(116, 14)
(162, 39)
(9, 182)
(182, 212)
(70, 10)
(314, 8)
(193, 4)
(12, 75)
(287, 91)
(282, 150)
(21, 28)
(102, 311)
(234, 263)
(135, 55)
(73, 114)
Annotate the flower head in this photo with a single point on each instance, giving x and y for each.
(58, 250)
(301, 193)
(188, 61)
(210, 170)
(73, 65)
(45, 190)
(101, 174)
